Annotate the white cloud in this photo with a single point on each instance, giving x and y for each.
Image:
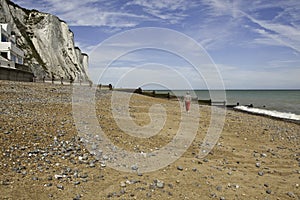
(88, 12)
(283, 29)
(286, 35)
(110, 13)
(166, 10)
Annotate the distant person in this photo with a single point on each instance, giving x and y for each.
(187, 101)
(44, 79)
(52, 79)
(71, 80)
(62, 80)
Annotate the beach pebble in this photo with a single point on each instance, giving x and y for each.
(76, 182)
(219, 188)
(139, 174)
(77, 197)
(149, 195)
(122, 191)
(160, 184)
(92, 165)
(260, 173)
(61, 187)
(57, 176)
(105, 157)
(84, 175)
(291, 194)
(48, 185)
(123, 184)
(263, 155)
(268, 191)
(266, 185)
(180, 168)
(134, 167)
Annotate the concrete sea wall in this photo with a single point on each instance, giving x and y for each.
(15, 75)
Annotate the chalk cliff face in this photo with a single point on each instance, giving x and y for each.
(47, 42)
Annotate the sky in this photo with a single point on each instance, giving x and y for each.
(241, 44)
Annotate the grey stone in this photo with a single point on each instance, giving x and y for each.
(84, 175)
(123, 191)
(134, 167)
(160, 184)
(139, 174)
(263, 155)
(291, 194)
(266, 184)
(260, 173)
(77, 197)
(123, 184)
(76, 182)
(48, 184)
(61, 187)
(92, 164)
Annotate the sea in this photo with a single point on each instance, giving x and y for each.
(276, 103)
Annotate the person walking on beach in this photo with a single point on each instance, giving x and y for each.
(187, 101)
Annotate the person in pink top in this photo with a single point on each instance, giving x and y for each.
(187, 100)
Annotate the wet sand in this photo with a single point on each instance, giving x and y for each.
(43, 157)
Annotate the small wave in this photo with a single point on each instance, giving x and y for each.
(272, 113)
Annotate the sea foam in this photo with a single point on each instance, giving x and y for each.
(272, 113)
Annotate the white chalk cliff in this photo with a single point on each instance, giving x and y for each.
(47, 42)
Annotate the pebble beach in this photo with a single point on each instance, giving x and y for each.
(42, 156)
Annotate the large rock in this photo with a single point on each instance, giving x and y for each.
(47, 41)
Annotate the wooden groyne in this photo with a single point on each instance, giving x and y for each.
(170, 95)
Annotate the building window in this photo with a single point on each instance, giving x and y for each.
(4, 55)
(20, 60)
(4, 38)
(13, 58)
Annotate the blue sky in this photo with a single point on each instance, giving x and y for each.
(254, 44)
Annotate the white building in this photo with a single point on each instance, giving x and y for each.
(10, 53)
